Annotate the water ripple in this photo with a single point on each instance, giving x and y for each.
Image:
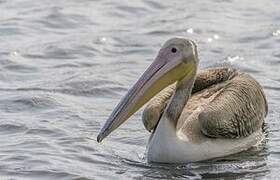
(64, 66)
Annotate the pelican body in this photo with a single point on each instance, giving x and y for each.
(192, 115)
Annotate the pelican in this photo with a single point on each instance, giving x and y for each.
(192, 115)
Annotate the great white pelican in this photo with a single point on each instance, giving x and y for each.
(192, 115)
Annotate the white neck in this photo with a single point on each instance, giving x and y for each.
(165, 133)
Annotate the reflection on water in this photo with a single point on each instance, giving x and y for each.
(65, 65)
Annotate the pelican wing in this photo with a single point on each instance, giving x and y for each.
(204, 79)
(236, 110)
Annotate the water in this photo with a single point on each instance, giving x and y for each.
(65, 64)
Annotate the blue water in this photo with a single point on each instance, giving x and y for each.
(65, 64)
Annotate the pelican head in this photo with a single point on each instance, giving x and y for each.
(176, 60)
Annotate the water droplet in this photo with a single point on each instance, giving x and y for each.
(14, 53)
(216, 36)
(276, 33)
(190, 30)
(103, 39)
(209, 39)
(234, 58)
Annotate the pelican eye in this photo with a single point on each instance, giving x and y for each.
(173, 50)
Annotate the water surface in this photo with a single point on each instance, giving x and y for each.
(65, 64)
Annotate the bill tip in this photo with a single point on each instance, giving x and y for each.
(99, 138)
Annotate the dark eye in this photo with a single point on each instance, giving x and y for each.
(173, 50)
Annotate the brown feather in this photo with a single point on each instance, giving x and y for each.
(224, 104)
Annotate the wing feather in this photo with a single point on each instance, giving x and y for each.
(237, 110)
(204, 79)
